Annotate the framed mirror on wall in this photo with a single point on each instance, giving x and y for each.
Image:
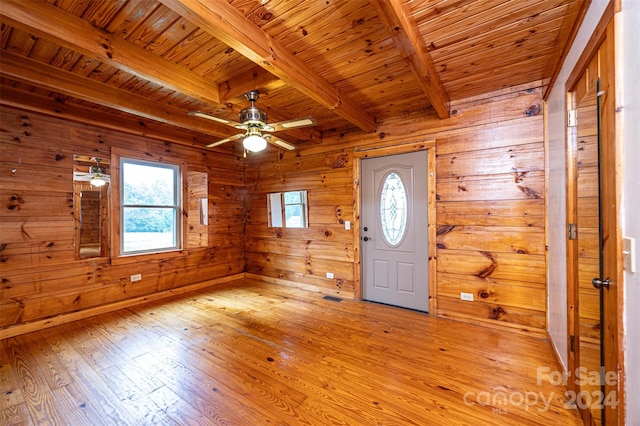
(197, 209)
(91, 182)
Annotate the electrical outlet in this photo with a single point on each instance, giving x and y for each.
(330, 275)
(466, 296)
(347, 224)
(136, 277)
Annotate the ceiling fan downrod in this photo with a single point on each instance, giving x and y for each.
(253, 115)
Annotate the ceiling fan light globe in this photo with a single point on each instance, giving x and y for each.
(254, 143)
(97, 180)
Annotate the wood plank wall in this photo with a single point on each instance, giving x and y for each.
(490, 184)
(490, 214)
(39, 275)
(304, 255)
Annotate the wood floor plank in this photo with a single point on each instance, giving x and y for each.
(37, 394)
(51, 368)
(84, 342)
(94, 391)
(180, 411)
(252, 353)
(212, 396)
(10, 390)
(17, 414)
(73, 406)
(241, 381)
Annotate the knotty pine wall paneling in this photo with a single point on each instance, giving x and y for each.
(489, 209)
(39, 275)
(302, 256)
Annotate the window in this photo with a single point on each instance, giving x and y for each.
(295, 207)
(393, 209)
(288, 209)
(150, 206)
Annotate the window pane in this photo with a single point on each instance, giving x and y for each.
(150, 206)
(393, 209)
(275, 209)
(149, 228)
(148, 185)
(293, 216)
(292, 197)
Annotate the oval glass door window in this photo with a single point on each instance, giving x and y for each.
(393, 209)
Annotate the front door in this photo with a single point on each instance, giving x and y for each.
(394, 230)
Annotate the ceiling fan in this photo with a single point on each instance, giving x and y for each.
(96, 175)
(253, 121)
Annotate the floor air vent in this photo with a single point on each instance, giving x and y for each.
(333, 299)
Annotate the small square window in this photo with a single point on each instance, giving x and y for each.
(288, 209)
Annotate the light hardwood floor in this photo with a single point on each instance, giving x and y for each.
(250, 353)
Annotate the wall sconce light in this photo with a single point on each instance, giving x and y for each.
(97, 174)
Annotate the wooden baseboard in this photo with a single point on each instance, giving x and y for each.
(498, 325)
(308, 287)
(18, 329)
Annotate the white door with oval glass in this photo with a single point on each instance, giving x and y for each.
(394, 230)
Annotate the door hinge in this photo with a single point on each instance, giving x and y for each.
(573, 231)
(572, 117)
(572, 343)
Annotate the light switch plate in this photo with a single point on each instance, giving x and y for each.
(628, 254)
(347, 224)
(466, 296)
(330, 275)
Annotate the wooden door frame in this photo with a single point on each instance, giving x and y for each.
(362, 154)
(612, 140)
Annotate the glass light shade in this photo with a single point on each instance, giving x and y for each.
(254, 143)
(97, 180)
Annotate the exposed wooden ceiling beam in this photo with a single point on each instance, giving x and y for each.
(45, 20)
(230, 26)
(67, 83)
(396, 16)
(256, 78)
(86, 115)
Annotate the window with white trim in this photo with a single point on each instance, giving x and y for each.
(288, 209)
(150, 203)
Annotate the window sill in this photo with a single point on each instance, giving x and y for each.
(142, 257)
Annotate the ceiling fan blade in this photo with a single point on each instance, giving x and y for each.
(86, 177)
(274, 140)
(225, 140)
(296, 123)
(211, 117)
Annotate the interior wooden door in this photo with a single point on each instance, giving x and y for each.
(587, 340)
(593, 242)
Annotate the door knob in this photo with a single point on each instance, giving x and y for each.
(366, 238)
(598, 283)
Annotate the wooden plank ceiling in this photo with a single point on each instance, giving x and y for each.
(348, 63)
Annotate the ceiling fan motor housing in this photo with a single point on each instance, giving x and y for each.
(253, 115)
